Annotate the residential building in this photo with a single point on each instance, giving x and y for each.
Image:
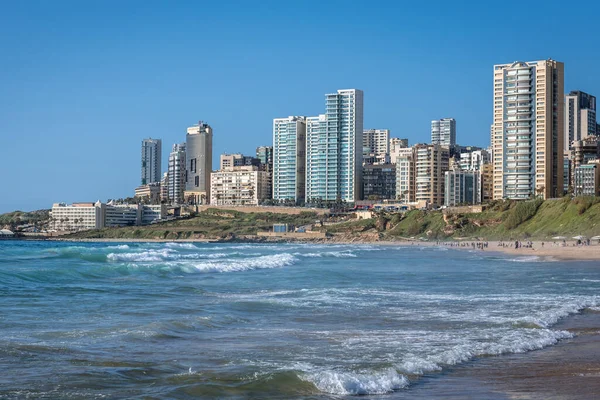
(198, 163)
(443, 132)
(567, 170)
(151, 160)
(376, 141)
(164, 188)
(239, 186)
(580, 117)
(177, 173)
(431, 161)
(265, 156)
(487, 182)
(289, 159)
(334, 149)
(528, 129)
(474, 160)
(237, 160)
(149, 193)
(462, 188)
(379, 181)
(405, 175)
(585, 150)
(587, 180)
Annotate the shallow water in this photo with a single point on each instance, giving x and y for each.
(184, 320)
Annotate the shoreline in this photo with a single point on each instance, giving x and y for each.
(569, 369)
(550, 251)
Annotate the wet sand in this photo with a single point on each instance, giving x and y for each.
(567, 370)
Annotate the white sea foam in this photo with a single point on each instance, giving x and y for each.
(145, 256)
(119, 247)
(351, 383)
(262, 262)
(175, 245)
(337, 254)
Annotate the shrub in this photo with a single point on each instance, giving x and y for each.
(522, 212)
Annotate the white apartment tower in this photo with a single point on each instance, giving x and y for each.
(289, 159)
(151, 160)
(528, 130)
(176, 174)
(580, 117)
(334, 154)
(443, 131)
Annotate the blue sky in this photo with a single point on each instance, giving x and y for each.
(82, 83)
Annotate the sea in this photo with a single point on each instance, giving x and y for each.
(270, 321)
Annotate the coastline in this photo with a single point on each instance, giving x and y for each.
(550, 251)
(569, 369)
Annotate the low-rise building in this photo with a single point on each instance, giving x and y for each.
(587, 180)
(84, 216)
(150, 193)
(239, 186)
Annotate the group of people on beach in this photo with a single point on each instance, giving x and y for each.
(478, 245)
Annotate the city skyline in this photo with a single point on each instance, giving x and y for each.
(402, 94)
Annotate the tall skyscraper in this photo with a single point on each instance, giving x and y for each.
(334, 154)
(580, 117)
(289, 159)
(198, 163)
(176, 174)
(528, 129)
(443, 131)
(151, 160)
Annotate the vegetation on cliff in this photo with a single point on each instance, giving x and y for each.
(502, 220)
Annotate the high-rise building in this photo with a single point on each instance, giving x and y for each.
(334, 149)
(580, 117)
(376, 141)
(176, 174)
(151, 160)
(443, 131)
(431, 161)
(405, 174)
(487, 182)
(528, 129)
(289, 159)
(379, 181)
(265, 155)
(397, 145)
(462, 187)
(198, 163)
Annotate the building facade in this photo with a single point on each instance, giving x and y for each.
(405, 175)
(198, 163)
(376, 141)
(587, 180)
(265, 156)
(474, 160)
(443, 132)
(580, 117)
(396, 146)
(487, 182)
(528, 129)
(462, 188)
(289, 159)
(334, 149)
(239, 186)
(151, 161)
(237, 160)
(379, 181)
(176, 174)
(150, 193)
(431, 162)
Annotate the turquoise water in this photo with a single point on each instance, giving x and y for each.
(183, 320)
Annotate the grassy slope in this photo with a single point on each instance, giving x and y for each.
(210, 224)
(22, 217)
(502, 221)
